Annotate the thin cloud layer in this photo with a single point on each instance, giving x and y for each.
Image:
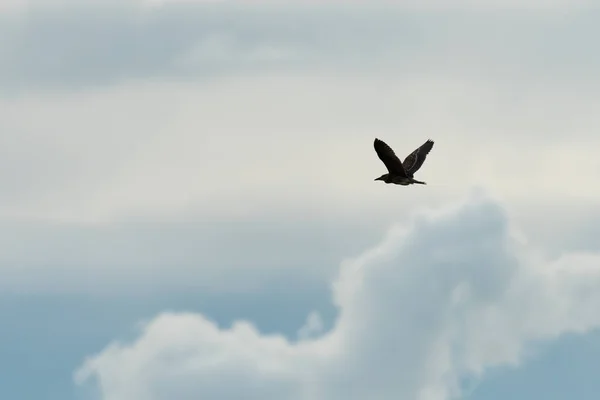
(417, 4)
(443, 298)
(148, 186)
(91, 45)
(11, 5)
(147, 150)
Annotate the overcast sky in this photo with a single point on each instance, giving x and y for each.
(189, 209)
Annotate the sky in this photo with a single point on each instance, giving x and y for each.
(188, 206)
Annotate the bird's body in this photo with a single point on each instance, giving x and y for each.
(398, 180)
(401, 173)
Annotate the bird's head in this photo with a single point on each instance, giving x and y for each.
(382, 177)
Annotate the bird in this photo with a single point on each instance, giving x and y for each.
(401, 173)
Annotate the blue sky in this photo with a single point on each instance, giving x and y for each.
(188, 206)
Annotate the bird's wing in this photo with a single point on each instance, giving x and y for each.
(389, 158)
(415, 160)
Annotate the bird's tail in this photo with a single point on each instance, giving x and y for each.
(419, 182)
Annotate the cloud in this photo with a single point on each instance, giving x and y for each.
(91, 46)
(104, 190)
(313, 326)
(149, 150)
(429, 5)
(425, 4)
(149, 257)
(200, 114)
(78, 47)
(145, 186)
(445, 297)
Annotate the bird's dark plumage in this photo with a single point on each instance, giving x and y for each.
(415, 160)
(389, 158)
(401, 173)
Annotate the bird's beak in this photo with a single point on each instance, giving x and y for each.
(378, 179)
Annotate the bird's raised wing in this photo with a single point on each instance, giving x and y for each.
(389, 158)
(415, 160)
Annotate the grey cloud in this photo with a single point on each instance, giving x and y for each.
(78, 47)
(160, 257)
(226, 255)
(95, 46)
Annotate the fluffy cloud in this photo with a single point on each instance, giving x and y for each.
(451, 294)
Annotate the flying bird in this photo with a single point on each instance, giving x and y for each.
(401, 173)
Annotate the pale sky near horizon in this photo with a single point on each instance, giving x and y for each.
(189, 209)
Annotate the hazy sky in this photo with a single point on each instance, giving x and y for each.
(189, 209)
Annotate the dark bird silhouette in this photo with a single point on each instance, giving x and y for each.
(401, 173)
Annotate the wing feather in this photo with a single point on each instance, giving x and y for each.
(389, 158)
(415, 160)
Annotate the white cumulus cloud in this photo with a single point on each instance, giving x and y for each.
(446, 297)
